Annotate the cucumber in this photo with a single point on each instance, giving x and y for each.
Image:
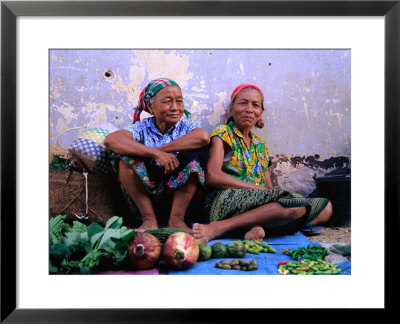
(163, 233)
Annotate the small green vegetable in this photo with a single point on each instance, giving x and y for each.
(236, 249)
(218, 250)
(205, 252)
(307, 267)
(255, 247)
(311, 252)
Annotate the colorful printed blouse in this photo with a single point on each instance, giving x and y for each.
(147, 133)
(242, 163)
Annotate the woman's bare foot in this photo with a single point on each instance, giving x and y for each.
(206, 232)
(257, 233)
(145, 226)
(181, 225)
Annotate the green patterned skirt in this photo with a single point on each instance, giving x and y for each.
(225, 203)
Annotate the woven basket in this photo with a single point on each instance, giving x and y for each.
(67, 196)
(87, 150)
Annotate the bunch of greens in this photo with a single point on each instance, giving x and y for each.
(87, 249)
(311, 252)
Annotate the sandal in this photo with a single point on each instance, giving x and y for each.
(309, 230)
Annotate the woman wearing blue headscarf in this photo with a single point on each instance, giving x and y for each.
(164, 153)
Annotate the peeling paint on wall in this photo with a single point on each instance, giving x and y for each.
(216, 115)
(296, 173)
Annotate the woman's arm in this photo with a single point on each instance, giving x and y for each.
(195, 139)
(268, 182)
(121, 142)
(215, 176)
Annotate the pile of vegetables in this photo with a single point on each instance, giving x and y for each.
(236, 264)
(85, 249)
(309, 260)
(79, 248)
(235, 249)
(308, 267)
(255, 247)
(311, 252)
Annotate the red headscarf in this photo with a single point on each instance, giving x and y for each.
(260, 123)
(243, 86)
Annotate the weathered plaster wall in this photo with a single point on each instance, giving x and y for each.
(307, 98)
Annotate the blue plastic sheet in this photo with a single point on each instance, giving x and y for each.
(267, 262)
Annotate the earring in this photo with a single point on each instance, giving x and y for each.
(259, 123)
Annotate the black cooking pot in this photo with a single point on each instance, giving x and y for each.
(338, 190)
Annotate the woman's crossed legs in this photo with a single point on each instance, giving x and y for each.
(136, 190)
(254, 221)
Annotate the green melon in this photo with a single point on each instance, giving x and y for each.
(205, 252)
(236, 249)
(218, 250)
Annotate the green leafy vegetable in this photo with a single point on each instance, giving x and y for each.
(87, 249)
(57, 228)
(114, 222)
(311, 252)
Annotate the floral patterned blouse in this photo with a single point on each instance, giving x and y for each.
(248, 164)
(147, 133)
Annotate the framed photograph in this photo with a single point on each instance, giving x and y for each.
(369, 30)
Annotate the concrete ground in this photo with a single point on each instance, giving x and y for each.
(333, 235)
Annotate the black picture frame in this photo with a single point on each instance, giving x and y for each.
(10, 10)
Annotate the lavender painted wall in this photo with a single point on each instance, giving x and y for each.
(307, 98)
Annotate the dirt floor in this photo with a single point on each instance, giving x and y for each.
(332, 234)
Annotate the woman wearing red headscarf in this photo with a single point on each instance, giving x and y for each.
(243, 198)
